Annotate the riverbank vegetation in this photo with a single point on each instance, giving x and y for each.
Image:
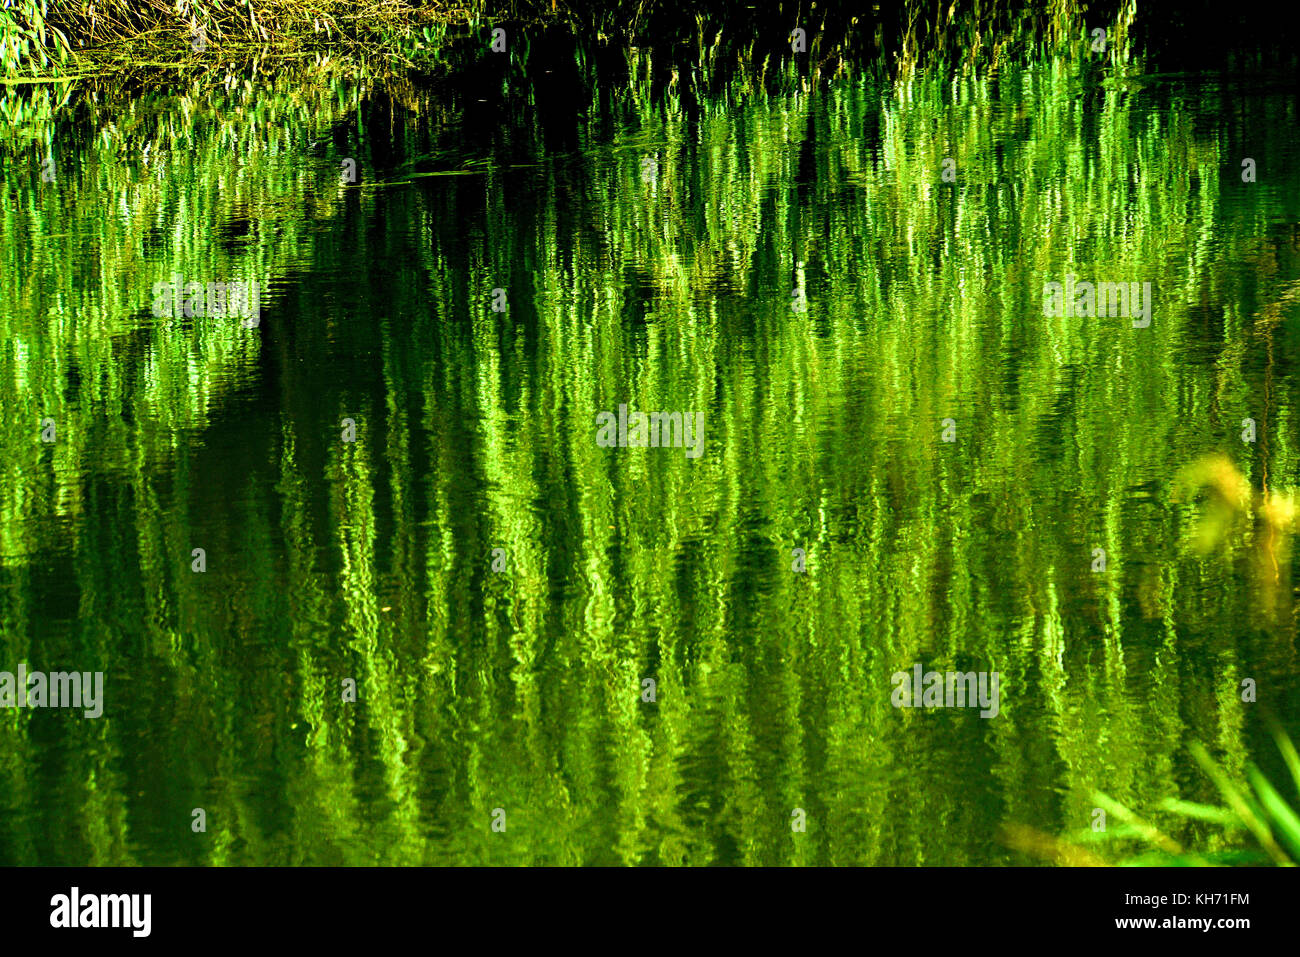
(49, 38)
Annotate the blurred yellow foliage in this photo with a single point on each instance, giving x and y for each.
(1232, 506)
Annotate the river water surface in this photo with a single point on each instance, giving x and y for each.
(395, 478)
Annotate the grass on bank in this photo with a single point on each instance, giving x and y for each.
(40, 39)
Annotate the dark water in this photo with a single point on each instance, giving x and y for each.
(794, 267)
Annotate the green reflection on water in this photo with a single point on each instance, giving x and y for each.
(476, 430)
